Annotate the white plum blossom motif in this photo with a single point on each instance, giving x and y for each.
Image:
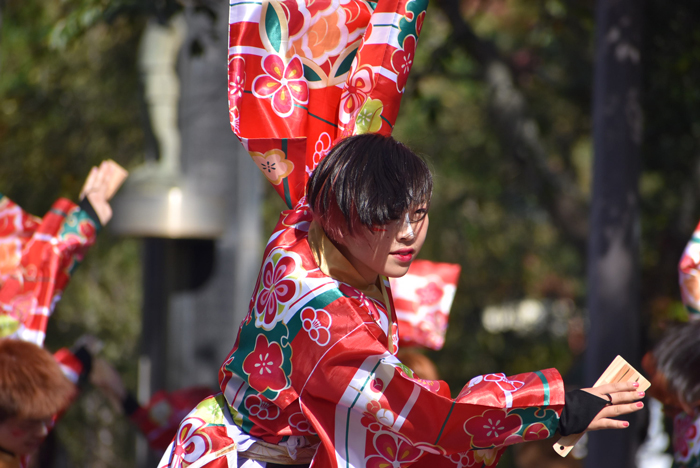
(261, 409)
(386, 417)
(236, 85)
(321, 148)
(299, 422)
(236, 88)
(317, 323)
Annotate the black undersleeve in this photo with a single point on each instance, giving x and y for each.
(579, 411)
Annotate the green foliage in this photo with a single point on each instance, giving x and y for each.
(62, 110)
(483, 214)
(672, 144)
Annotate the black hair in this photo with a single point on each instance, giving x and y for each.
(370, 179)
(678, 359)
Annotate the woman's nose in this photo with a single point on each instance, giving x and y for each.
(406, 228)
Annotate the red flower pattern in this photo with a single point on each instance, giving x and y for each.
(284, 84)
(419, 23)
(359, 85)
(402, 61)
(276, 288)
(492, 427)
(393, 451)
(264, 366)
(536, 431)
(317, 324)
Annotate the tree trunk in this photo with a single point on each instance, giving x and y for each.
(613, 249)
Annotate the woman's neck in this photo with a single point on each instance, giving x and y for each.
(367, 273)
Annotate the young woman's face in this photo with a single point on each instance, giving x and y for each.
(387, 250)
(24, 436)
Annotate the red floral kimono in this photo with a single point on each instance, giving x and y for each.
(37, 258)
(313, 375)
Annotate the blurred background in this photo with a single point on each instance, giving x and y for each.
(508, 100)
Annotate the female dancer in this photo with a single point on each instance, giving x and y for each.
(313, 376)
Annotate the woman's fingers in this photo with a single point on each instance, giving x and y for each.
(618, 393)
(626, 397)
(623, 397)
(618, 410)
(603, 419)
(607, 424)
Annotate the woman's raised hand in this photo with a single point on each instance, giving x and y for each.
(101, 185)
(623, 399)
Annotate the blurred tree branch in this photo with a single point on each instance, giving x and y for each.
(556, 190)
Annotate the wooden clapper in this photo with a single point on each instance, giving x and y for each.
(119, 175)
(618, 371)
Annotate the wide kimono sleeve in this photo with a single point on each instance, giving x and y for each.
(39, 256)
(689, 276)
(303, 74)
(369, 411)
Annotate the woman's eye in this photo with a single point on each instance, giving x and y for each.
(419, 214)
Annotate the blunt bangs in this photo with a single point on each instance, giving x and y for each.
(367, 180)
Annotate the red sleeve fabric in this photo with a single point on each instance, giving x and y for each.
(303, 74)
(50, 251)
(369, 410)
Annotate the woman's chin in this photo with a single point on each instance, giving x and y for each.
(396, 271)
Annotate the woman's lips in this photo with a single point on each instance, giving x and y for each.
(403, 255)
